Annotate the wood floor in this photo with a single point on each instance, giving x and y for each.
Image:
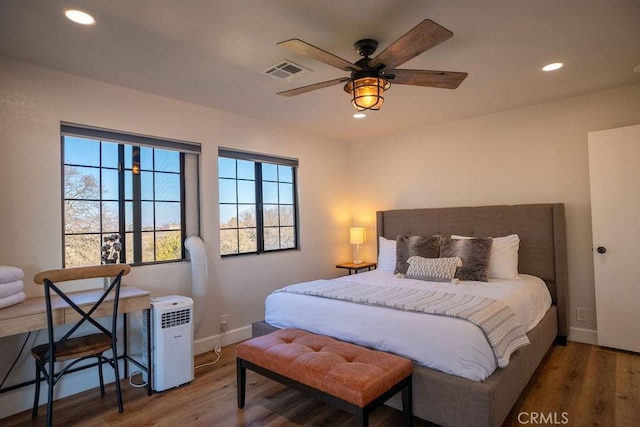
(577, 385)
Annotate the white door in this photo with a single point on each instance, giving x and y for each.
(614, 170)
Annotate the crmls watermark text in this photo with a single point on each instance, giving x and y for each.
(542, 418)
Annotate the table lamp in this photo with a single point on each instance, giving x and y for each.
(357, 237)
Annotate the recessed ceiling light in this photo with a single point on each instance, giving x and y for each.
(359, 115)
(552, 67)
(79, 17)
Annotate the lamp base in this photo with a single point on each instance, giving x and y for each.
(358, 262)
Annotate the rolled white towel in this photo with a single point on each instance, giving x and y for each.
(10, 274)
(11, 288)
(12, 300)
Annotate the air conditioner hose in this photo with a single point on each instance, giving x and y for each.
(199, 277)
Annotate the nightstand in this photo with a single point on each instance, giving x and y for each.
(353, 267)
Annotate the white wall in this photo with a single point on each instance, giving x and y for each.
(530, 155)
(33, 102)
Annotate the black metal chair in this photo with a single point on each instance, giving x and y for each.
(70, 346)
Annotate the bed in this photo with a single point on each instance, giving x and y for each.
(452, 399)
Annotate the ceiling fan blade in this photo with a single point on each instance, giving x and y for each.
(305, 89)
(318, 54)
(422, 37)
(439, 79)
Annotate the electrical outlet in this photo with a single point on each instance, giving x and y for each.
(581, 314)
(223, 322)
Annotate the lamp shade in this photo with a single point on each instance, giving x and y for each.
(356, 235)
(367, 92)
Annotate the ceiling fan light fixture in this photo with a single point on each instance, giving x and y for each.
(367, 92)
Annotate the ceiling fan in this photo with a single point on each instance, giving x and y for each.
(370, 77)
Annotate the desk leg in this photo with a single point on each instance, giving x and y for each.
(147, 314)
(126, 345)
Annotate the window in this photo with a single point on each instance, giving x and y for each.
(258, 202)
(124, 191)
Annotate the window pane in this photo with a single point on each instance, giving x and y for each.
(81, 250)
(286, 193)
(167, 186)
(228, 242)
(81, 183)
(129, 247)
(110, 220)
(148, 247)
(128, 185)
(246, 169)
(168, 216)
(270, 192)
(246, 192)
(147, 216)
(227, 191)
(128, 155)
(81, 151)
(287, 238)
(110, 184)
(109, 155)
(248, 241)
(246, 215)
(81, 216)
(228, 216)
(270, 216)
(146, 182)
(271, 239)
(167, 161)
(146, 158)
(128, 216)
(269, 172)
(287, 215)
(168, 245)
(226, 167)
(285, 174)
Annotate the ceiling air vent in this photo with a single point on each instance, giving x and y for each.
(286, 70)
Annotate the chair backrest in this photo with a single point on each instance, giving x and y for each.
(51, 278)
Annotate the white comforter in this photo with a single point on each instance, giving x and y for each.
(448, 344)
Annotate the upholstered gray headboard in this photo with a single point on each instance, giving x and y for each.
(541, 228)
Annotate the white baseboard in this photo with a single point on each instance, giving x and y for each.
(204, 345)
(587, 336)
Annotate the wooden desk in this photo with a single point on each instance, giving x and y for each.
(31, 315)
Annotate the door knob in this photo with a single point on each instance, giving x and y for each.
(601, 249)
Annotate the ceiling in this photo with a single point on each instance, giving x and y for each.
(213, 53)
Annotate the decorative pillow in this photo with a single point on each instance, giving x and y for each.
(386, 254)
(474, 253)
(433, 269)
(503, 262)
(408, 246)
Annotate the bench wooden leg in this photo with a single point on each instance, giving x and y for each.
(241, 381)
(407, 404)
(362, 418)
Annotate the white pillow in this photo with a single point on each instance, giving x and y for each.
(503, 261)
(387, 255)
(433, 269)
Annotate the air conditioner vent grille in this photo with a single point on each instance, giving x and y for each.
(286, 70)
(176, 318)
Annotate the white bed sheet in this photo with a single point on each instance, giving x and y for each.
(451, 345)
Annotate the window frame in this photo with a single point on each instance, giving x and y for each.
(259, 159)
(123, 140)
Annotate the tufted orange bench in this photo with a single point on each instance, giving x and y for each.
(352, 378)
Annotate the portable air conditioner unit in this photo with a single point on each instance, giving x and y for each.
(171, 341)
